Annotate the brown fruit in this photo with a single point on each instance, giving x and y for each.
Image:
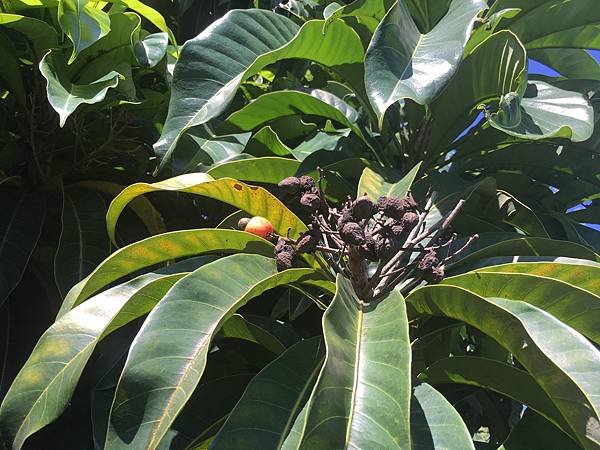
(260, 227)
(241, 225)
(290, 185)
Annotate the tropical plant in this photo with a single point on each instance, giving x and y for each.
(476, 326)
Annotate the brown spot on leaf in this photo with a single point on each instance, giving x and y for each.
(254, 188)
(237, 186)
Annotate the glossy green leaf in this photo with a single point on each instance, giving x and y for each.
(403, 63)
(267, 410)
(161, 249)
(212, 66)
(20, 228)
(560, 359)
(256, 201)
(546, 111)
(361, 398)
(567, 23)
(175, 338)
(569, 62)
(434, 423)
(575, 300)
(525, 246)
(65, 96)
(362, 9)
(97, 69)
(150, 50)
(497, 376)
(275, 105)
(46, 383)
(83, 23)
(497, 66)
(376, 183)
(41, 35)
(257, 170)
(267, 142)
(83, 240)
(149, 13)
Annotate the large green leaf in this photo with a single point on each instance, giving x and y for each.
(566, 23)
(41, 35)
(565, 297)
(20, 228)
(83, 23)
(97, 69)
(434, 423)
(149, 13)
(161, 249)
(377, 182)
(361, 398)
(254, 200)
(83, 240)
(45, 384)
(257, 170)
(65, 96)
(169, 353)
(507, 250)
(569, 62)
(278, 104)
(267, 410)
(497, 376)
(546, 111)
(403, 63)
(212, 66)
(495, 67)
(561, 360)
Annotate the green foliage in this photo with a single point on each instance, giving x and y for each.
(174, 330)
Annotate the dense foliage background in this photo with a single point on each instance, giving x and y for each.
(175, 330)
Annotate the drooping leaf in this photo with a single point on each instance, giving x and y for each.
(376, 184)
(83, 23)
(237, 327)
(169, 353)
(560, 359)
(20, 227)
(83, 241)
(570, 292)
(213, 65)
(267, 410)
(546, 111)
(254, 200)
(497, 376)
(434, 423)
(361, 398)
(149, 13)
(161, 249)
(63, 95)
(97, 69)
(403, 63)
(141, 206)
(43, 387)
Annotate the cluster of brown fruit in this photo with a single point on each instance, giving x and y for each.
(392, 232)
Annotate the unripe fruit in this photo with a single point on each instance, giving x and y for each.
(260, 227)
(241, 225)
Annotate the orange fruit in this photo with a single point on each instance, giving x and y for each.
(260, 227)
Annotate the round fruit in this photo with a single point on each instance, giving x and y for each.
(241, 225)
(260, 227)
